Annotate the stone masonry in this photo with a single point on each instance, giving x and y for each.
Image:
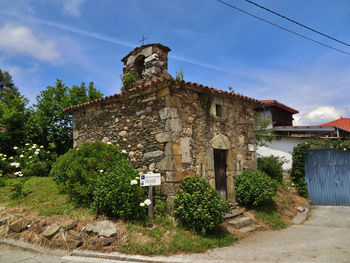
(172, 127)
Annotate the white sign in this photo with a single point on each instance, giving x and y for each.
(150, 179)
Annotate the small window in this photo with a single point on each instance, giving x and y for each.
(219, 111)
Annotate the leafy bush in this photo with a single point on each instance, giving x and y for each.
(254, 187)
(77, 171)
(115, 196)
(198, 205)
(37, 168)
(17, 188)
(128, 80)
(272, 166)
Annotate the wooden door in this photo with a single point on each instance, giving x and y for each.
(220, 172)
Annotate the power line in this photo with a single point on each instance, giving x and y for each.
(298, 23)
(283, 28)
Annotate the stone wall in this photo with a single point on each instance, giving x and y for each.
(199, 131)
(167, 128)
(131, 122)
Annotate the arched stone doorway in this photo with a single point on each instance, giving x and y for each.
(220, 146)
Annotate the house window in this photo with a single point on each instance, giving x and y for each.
(219, 110)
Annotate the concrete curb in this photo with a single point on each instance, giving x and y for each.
(123, 257)
(20, 244)
(301, 217)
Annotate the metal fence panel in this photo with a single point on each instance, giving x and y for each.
(327, 174)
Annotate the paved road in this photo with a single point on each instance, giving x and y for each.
(325, 237)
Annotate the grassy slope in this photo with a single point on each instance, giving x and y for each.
(41, 195)
(164, 237)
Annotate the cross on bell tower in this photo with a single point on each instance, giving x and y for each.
(143, 39)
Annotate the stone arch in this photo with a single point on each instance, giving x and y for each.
(220, 142)
(140, 64)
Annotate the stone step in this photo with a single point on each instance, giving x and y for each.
(249, 228)
(234, 213)
(240, 222)
(233, 205)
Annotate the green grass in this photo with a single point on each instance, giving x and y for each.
(40, 194)
(165, 238)
(269, 215)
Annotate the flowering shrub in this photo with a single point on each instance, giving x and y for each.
(118, 194)
(30, 160)
(78, 171)
(254, 187)
(198, 206)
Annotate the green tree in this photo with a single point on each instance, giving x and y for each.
(13, 118)
(262, 132)
(49, 123)
(8, 90)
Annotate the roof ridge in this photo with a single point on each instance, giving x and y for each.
(155, 81)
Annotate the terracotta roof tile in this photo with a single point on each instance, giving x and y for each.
(341, 123)
(150, 83)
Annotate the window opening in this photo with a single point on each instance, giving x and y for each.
(219, 110)
(140, 65)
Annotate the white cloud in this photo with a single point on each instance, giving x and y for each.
(319, 116)
(17, 39)
(72, 7)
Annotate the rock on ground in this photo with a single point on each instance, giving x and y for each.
(19, 225)
(104, 228)
(51, 231)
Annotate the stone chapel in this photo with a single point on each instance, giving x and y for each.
(172, 126)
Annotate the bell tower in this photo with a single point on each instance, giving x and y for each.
(147, 62)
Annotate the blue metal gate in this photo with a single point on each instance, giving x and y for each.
(327, 174)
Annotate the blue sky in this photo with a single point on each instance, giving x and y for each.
(84, 40)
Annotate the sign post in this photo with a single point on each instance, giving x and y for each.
(150, 179)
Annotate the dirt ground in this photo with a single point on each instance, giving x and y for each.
(38, 224)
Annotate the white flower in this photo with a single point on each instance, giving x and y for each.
(19, 174)
(33, 146)
(30, 157)
(36, 153)
(15, 147)
(109, 143)
(48, 151)
(41, 146)
(142, 204)
(147, 202)
(21, 156)
(27, 144)
(344, 149)
(123, 151)
(1, 154)
(292, 184)
(101, 171)
(11, 158)
(5, 155)
(133, 182)
(137, 178)
(3, 159)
